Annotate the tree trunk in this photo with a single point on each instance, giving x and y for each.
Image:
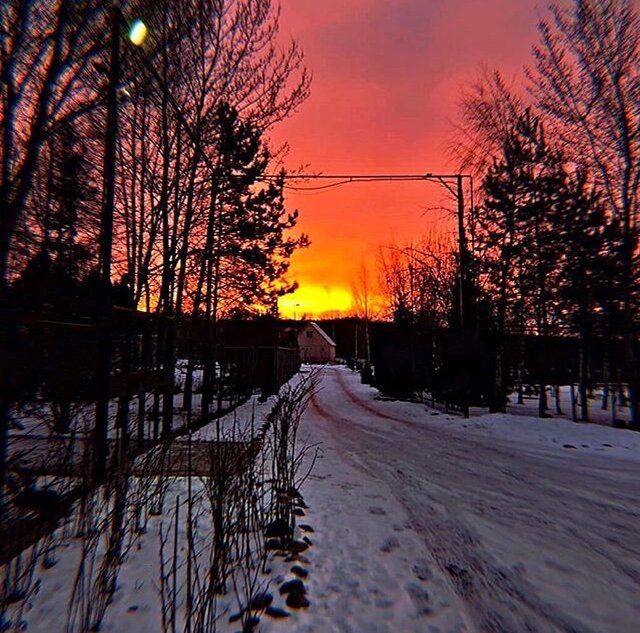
(542, 402)
(584, 377)
(556, 391)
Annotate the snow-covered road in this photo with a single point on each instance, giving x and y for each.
(426, 523)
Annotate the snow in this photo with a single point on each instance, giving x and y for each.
(552, 435)
(597, 414)
(430, 522)
(370, 571)
(136, 604)
(425, 522)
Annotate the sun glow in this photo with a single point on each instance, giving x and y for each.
(312, 301)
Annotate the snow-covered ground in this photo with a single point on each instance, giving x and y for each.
(45, 600)
(424, 522)
(430, 522)
(615, 409)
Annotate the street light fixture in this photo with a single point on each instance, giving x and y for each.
(138, 32)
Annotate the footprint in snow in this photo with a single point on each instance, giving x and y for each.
(390, 544)
(420, 598)
(383, 602)
(422, 571)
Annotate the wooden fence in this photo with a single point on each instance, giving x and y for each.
(63, 364)
(58, 361)
(265, 368)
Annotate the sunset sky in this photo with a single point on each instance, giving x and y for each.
(386, 79)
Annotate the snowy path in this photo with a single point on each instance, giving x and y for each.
(424, 525)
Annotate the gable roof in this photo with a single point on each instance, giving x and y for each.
(322, 333)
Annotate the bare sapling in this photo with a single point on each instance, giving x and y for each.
(287, 454)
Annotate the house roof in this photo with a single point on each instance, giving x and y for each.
(320, 331)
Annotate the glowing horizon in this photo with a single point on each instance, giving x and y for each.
(310, 301)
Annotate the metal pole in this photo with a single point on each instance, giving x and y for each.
(106, 239)
(109, 168)
(463, 275)
(462, 251)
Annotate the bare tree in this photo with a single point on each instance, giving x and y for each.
(586, 81)
(487, 108)
(212, 53)
(419, 280)
(363, 305)
(47, 78)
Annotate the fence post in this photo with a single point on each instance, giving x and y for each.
(103, 375)
(168, 362)
(4, 439)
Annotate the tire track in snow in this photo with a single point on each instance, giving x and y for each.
(600, 506)
(473, 579)
(500, 598)
(343, 427)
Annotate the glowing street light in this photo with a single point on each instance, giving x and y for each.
(138, 32)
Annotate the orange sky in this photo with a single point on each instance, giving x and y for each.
(386, 76)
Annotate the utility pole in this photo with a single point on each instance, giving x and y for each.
(447, 181)
(454, 185)
(101, 431)
(462, 254)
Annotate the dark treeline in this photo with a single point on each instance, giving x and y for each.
(138, 172)
(554, 234)
(197, 229)
(195, 226)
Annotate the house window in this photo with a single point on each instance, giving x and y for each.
(309, 334)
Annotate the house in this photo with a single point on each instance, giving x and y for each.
(316, 346)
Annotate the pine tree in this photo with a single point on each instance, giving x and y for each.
(249, 247)
(590, 275)
(520, 252)
(246, 249)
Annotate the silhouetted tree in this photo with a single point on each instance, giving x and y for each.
(586, 83)
(524, 190)
(246, 250)
(46, 70)
(589, 276)
(208, 53)
(420, 281)
(57, 278)
(514, 238)
(487, 109)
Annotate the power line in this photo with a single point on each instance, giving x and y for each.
(345, 179)
(356, 177)
(451, 182)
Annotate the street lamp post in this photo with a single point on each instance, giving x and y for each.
(463, 254)
(457, 191)
(464, 259)
(109, 166)
(136, 35)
